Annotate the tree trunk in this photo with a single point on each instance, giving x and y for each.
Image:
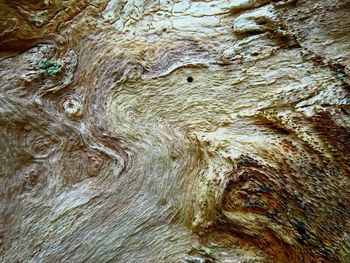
(175, 131)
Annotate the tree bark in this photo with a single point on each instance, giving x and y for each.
(174, 131)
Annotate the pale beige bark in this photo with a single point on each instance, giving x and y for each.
(175, 131)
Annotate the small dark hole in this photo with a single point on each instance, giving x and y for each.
(189, 79)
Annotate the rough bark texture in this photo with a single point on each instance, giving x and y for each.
(174, 131)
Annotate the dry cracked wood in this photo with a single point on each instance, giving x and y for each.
(174, 131)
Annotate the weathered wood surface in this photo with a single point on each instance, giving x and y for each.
(175, 131)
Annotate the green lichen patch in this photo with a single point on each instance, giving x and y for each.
(341, 75)
(50, 67)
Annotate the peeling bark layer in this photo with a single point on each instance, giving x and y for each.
(174, 131)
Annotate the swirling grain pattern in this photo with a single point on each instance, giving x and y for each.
(174, 131)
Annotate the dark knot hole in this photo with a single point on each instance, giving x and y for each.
(189, 79)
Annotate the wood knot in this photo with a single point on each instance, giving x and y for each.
(72, 107)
